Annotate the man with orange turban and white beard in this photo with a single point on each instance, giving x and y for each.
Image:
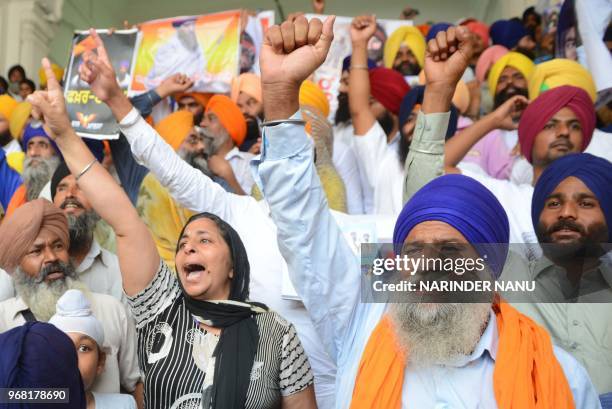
(34, 243)
(225, 129)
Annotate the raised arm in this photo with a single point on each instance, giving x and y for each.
(323, 269)
(187, 185)
(502, 118)
(362, 29)
(446, 58)
(138, 257)
(131, 174)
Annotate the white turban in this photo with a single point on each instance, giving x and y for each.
(73, 314)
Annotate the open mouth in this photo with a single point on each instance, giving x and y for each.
(193, 271)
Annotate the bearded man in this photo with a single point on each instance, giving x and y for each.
(34, 244)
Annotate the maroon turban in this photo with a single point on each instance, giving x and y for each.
(388, 87)
(545, 106)
(19, 230)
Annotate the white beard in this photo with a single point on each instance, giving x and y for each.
(42, 298)
(438, 334)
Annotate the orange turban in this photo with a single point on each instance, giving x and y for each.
(248, 83)
(19, 231)
(7, 105)
(311, 94)
(200, 97)
(175, 128)
(230, 117)
(19, 119)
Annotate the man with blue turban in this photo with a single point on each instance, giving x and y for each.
(38, 355)
(571, 212)
(405, 355)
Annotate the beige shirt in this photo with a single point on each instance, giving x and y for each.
(119, 339)
(584, 329)
(99, 270)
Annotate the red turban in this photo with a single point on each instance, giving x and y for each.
(388, 87)
(19, 231)
(480, 29)
(544, 107)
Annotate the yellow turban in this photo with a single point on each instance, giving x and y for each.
(560, 71)
(57, 71)
(7, 106)
(248, 83)
(19, 119)
(412, 37)
(312, 95)
(512, 59)
(175, 128)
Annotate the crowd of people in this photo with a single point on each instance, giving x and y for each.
(149, 271)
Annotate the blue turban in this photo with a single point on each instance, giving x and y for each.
(38, 355)
(414, 97)
(95, 146)
(507, 32)
(466, 205)
(593, 171)
(435, 29)
(32, 131)
(346, 63)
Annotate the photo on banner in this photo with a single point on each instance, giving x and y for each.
(327, 76)
(89, 116)
(205, 48)
(252, 38)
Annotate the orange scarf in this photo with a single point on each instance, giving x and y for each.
(19, 198)
(526, 376)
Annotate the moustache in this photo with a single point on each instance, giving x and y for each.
(562, 142)
(71, 202)
(55, 267)
(566, 224)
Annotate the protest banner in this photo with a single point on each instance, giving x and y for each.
(251, 39)
(88, 115)
(206, 48)
(328, 75)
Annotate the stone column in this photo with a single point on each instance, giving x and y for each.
(26, 29)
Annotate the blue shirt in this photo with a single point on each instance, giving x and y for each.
(326, 275)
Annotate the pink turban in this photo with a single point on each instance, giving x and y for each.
(388, 87)
(544, 107)
(487, 59)
(19, 231)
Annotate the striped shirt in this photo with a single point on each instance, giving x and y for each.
(166, 336)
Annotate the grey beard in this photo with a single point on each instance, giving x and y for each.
(438, 334)
(41, 297)
(81, 229)
(214, 142)
(36, 176)
(196, 160)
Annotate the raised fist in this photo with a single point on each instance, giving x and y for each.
(363, 28)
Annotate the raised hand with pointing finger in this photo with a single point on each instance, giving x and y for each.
(291, 52)
(50, 105)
